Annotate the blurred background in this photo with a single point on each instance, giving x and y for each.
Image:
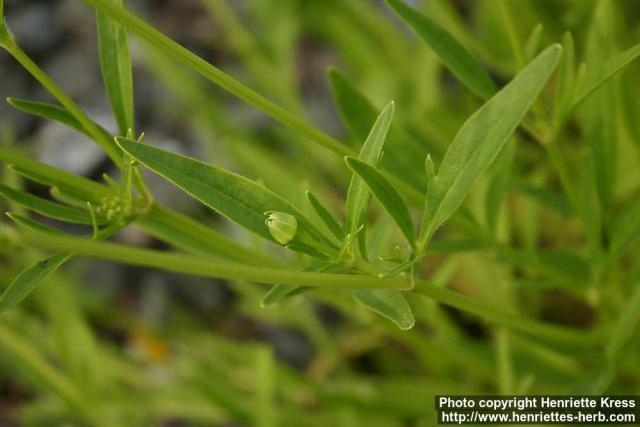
(147, 348)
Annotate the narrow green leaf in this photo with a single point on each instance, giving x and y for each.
(279, 292)
(626, 229)
(54, 177)
(47, 111)
(29, 279)
(358, 194)
(189, 235)
(387, 303)
(266, 408)
(115, 63)
(403, 153)
(357, 113)
(599, 117)
(498, 187)
(327, 217)
(169, 226)
(215, 75)
(55, 113)
(33, 224)
(46, 207)
(6, 40)
(455, 56)
(589, 207)
(386, 195)
(625, 327)
(567, 77)
(32, 276)
(548, 198)
(532, 46)
(481, 138)
(237, 198)
(600, 73)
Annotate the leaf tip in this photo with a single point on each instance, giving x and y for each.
(405, 326)
(556, 48)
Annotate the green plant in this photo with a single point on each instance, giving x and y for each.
(488, 183)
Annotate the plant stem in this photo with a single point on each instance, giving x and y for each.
(200, 266)
(215, 75)
(512, 320)
(108, 145)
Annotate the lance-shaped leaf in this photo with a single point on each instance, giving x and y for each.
(600, 73)
(388, 303)
(115, 63)
(29, 279)
(236, 197)
(567, 78)
(327, 217)
(626, 229)
(357, 113)
(403, 154)
(47, 111)
(533, 43)
(54, 177)
(32, 224)
(6, 40)
(358, 194)
(481, 138)
(386, 195)
(137, 26)
(498, 186)
(169, 226)
(55, 113)
(45, 207)
(455, 56)
(279, 292)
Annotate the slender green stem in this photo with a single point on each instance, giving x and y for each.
(215, 75)
(194, 237)
(204, 267)
(200, 266)
(512, 320)
(108, 145)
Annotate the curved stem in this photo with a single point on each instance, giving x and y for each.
(215, 75)
(205, 267)
(108, 145)
(201, 266)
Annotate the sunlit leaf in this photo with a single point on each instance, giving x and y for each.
(387, 303)
(115, 63)
(455, 56)
(386, 195)
(29, 279)
(481, 139)
(358, 194)
(237, 198)
(46, 207)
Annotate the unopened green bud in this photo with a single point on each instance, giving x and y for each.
(282, 226)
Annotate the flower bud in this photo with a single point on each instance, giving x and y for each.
(282, 226)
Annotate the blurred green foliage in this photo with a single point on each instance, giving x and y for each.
(531, 287)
